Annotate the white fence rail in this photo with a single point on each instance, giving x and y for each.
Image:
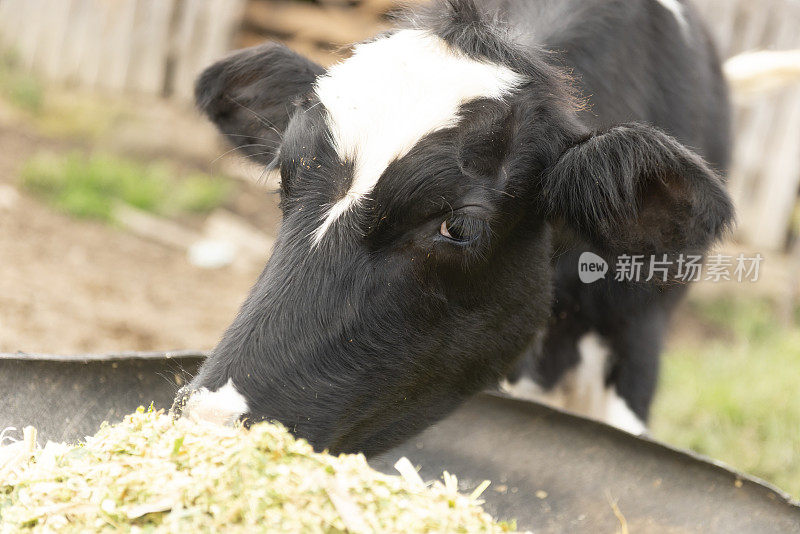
(149, 46)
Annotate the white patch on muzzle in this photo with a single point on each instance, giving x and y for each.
(392, 92)
(222, 407)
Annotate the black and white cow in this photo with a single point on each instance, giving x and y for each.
(437, 188)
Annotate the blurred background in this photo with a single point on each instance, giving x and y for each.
(125, 223)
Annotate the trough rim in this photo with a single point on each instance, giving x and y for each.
(105, 357)
(646, 440)
(525, 405)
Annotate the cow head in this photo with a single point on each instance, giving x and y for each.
(419, 182)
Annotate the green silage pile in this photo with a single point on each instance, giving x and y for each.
(152, 474)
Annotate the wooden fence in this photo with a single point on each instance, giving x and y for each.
(149, 46)
(765, 176)
(321, 31)
(158, 47)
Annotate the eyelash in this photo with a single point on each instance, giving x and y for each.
(463, 229)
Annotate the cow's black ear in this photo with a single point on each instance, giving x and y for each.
(249, 96)
(635, 190)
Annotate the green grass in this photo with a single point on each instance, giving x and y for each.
(736, 398)
(19, 87)
(54, 111)
(91, 185)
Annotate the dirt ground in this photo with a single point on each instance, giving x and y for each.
(73, 286)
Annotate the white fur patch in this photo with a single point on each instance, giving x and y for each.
(588, 387)
(618, 414)
(221, 407)
(393, 91)
(677, 10)
(582, 390)
(527, 389)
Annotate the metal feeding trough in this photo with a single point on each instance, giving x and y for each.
(67, 397)
(550, 471)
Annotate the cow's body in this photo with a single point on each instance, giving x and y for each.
(637, 60)
(437, 188)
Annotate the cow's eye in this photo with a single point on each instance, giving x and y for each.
(461, 229)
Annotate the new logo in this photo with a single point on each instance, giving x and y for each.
(591, 268)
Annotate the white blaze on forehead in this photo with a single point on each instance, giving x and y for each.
(222, 407)
(393, 91)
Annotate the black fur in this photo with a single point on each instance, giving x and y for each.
(667, 197)
(250, 95)
(388, 325)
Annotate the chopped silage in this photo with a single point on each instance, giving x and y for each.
(152, 474)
